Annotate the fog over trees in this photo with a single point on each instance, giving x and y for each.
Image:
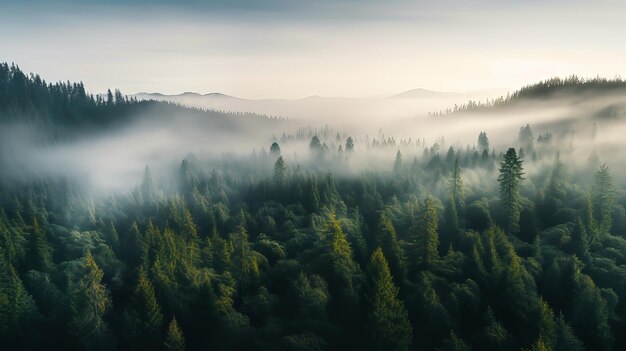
(148, 225)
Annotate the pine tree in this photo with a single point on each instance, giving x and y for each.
(349, 145)
(603, 197)
(89, 302)
(388, 241)
(40, 252)
(190, 232)
(387, 317)
(526, 138)
(279, 170)
(245, 265)
(546, 325)
(580, 241)
(483, 141)
(511, 172)
(428, 235)
(338, 258)
(17, 307)
(147, 319)
(454, 343)
(174, 340)
(275, 150)
(397, 164)
(457, 193)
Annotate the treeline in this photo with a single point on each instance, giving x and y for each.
(66, 110)
(543, 90)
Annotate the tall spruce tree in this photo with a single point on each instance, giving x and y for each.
(146, 316)
(603, 199)
(387, 317)
(89, 302)
(174, 339)
(511, 172)
(428, 235)
(40, 252)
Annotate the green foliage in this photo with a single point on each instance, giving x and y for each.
(251, 256)
(387, 317)
(603, 199)
(18, 311)
(279, 170)
(90, 301)
(174, 339)
(145, 317)
(511, 172)
(428, 236)
(40, 254)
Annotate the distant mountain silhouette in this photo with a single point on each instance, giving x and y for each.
(421, 93)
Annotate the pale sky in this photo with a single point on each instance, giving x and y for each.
(294, 49)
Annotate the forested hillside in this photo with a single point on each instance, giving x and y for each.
(65, 109)
(554, 88)
(347, 244)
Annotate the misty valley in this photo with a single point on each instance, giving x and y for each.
(421, 221)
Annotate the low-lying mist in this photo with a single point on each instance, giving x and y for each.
(585, 128)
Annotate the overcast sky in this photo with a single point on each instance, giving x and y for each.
(294, 49)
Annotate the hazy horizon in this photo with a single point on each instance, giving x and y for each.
(281, 49)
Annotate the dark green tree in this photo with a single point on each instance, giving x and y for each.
(89, 302)
(388, 241)
(603, 197)
(275, 149)
(174, 339)
(279, 170)
(387, 320)
(40, 252)
(511, 172)
(146, 317)
(428, 234)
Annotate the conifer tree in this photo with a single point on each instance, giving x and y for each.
(174, 339)
(147, 319)
(349, 145)
(89, 302)
(17, 307)
(511, 172)
(190, 232)
(387, 320)
(40, 255)
(483, 142)
(338, 260)
(428, 235)
(245, 265)
(275, 149)
(279, 170)
(457, 193)
(580, 241)
(388, 241)
(397, 164)
(603, 197)
(526, 138)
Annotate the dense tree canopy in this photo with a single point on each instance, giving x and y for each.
(437, 249)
